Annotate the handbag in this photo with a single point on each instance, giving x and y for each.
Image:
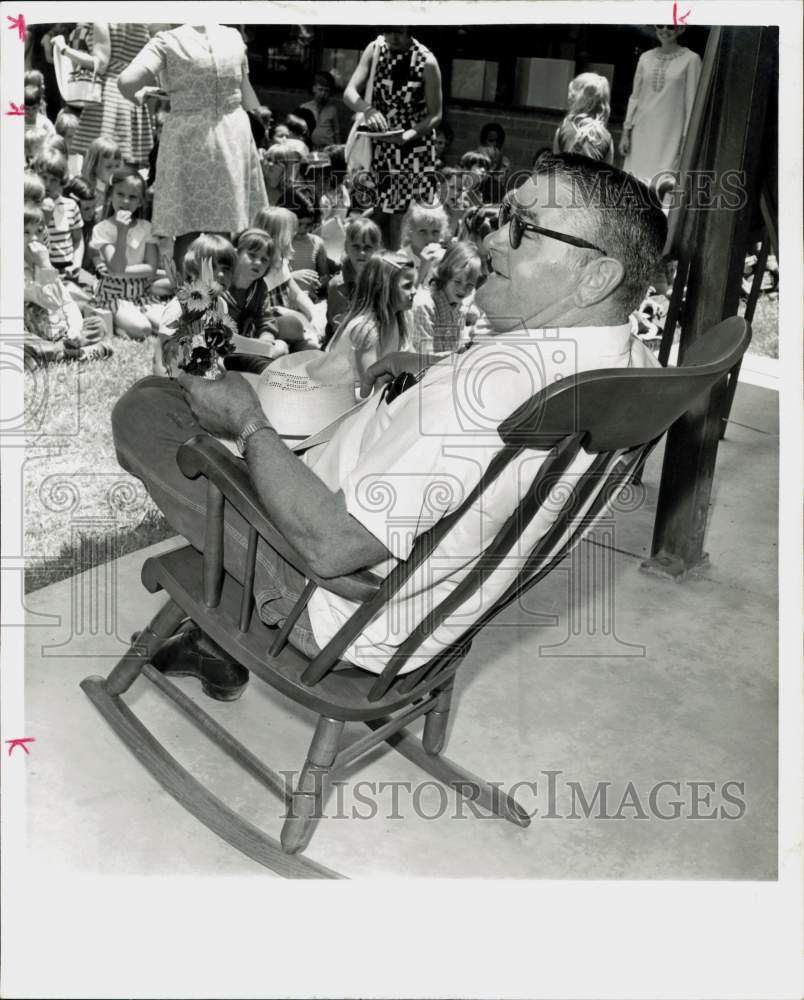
(78, 85)
(358, 150)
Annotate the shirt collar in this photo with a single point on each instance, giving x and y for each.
(598, 341)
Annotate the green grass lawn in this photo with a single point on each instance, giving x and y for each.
(81, 509)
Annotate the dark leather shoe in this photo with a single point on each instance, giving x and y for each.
(190, 653)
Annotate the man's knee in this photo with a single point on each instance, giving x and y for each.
(143, 413)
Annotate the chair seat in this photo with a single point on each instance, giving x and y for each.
(342, 694)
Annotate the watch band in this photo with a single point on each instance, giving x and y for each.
(261, 423)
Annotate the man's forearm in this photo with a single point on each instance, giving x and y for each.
(312, 518)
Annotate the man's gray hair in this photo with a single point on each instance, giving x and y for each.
(623, 216)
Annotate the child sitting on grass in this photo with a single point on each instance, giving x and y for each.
(281, 170)
(378, 321)
(34, 143)
(35, 116)
(249, 303)
(310, 264)
(102, 158)
(424, 236)
(362, 240)
(66, 243)
(211, 252)
(82, 194)
(443, 313)
(284, 291)
(128, 257)
(66, 127)
(53, 324)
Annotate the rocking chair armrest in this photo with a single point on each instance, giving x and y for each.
(204, 455)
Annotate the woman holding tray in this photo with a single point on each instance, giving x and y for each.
(406, 105)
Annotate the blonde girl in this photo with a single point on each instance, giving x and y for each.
(378, 320)
(587, 136)
(425, 228)
(284, 293)
(128, 256)
(442, 313)
(587, 94)
(101, 159)
(362, 240)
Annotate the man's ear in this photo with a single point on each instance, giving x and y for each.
(599, 279)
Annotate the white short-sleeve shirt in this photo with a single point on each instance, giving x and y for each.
(402, 466)
(137, 238)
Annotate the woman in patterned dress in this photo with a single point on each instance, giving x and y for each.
(660, 106)
(406, 95)
(109, 48)
(208, 173)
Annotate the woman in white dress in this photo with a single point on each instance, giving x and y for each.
(660, 106)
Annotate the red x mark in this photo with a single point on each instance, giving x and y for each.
(17, 23)
(680, 18)
(21, 743)
(16, 109)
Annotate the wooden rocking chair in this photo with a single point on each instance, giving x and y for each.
(616, 415)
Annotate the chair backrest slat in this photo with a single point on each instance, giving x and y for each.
(213, 547)
(247, 600)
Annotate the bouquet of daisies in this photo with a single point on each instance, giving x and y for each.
(204, 330)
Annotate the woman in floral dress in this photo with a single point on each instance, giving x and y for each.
(406, 96)
(208, 173)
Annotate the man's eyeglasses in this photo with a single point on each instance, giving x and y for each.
(517, 227)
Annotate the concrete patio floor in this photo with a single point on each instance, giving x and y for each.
(684, 689)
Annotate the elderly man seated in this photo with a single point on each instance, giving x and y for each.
(569, 262)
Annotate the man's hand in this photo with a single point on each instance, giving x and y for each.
(223, 407)
(389, 366)
(625, 142)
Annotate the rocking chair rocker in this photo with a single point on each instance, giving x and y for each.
(617, 416)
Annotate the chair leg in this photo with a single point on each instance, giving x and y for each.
(434, 736)
(143, 647)
(305, 805)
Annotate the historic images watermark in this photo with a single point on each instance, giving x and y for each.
(552, 795)
(699, 190)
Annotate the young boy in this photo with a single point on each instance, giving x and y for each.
(325, 112)
(64, 225)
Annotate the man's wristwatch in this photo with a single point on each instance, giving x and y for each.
(260, 423)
